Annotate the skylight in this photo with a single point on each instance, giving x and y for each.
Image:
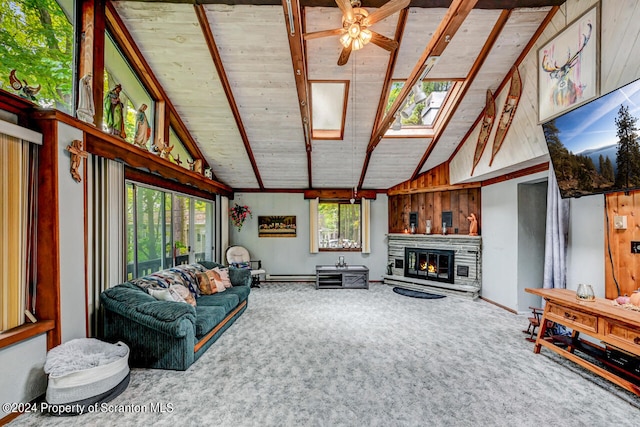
(328, 108)
(418, 114)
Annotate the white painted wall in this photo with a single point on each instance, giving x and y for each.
(71, 208)
(500, 226)
(285, 255)
(22, 377)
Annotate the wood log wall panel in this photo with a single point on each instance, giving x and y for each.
(517, 32)
(266, 94)
(430, 206)
(178, 54)
(626, 265)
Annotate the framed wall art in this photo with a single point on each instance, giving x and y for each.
(568, 67)
(277, 226)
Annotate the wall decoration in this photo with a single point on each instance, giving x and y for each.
(277, 226)
(77, 153)
(238, 214)
(485, 130)
(508, 111)
(568, 67)
(26, 91)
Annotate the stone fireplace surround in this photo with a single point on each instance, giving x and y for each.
(466, 270)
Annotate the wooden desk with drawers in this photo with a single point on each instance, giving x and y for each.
(616, 327)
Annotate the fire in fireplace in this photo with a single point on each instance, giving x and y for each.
(429, 264)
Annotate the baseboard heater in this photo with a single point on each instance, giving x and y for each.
(291, 278)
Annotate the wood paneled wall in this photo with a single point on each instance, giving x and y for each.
(622, 264)
(429, 195)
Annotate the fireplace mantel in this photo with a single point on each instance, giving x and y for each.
(467, 269)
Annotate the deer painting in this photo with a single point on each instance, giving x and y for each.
(567, 89)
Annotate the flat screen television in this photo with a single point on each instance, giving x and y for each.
(595, 148)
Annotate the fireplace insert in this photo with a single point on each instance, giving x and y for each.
(429, 264)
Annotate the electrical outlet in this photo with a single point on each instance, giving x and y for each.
(620, 222)
(635, 247)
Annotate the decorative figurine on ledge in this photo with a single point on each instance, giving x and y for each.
(86, 108)
(143, 130)
(28, 92)
(473, 225)
(77, 154)
(113, 112)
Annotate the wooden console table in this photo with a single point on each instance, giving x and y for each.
(349, 277)
(616, 327)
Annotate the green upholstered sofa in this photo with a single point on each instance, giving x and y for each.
(169, 334)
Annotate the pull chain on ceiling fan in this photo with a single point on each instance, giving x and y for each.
(355, 32)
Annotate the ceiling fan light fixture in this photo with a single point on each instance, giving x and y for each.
(357, 44)
(345, 40)
(365, 36)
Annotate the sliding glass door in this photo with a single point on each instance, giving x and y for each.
(165, 229)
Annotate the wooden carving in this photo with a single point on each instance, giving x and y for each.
(77, 154)
(508, 111)
(485, 130)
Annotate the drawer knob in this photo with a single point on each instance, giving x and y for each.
(636, 340)
(568, 315)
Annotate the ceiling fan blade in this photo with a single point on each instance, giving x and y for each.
(324, 33)
(344, 55)
(385, 10)
(347, 10)
(383, 41)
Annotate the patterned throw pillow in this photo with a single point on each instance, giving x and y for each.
(224, 276)
(206, 284)
(217, 280)
(165, 295)
(184, 293)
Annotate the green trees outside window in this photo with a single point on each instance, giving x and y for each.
(36, 40)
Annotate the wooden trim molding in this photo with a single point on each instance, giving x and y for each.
(340, 194)
(513, 175)
(48, 229)
(447, 187)
(110, 147)
(24, 332)
(137, 175)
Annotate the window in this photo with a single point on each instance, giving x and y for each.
(179, 154)
(165, 229)
(418, 114)
(328, 109)
(339, 225)
(133, 94)
(36, 40)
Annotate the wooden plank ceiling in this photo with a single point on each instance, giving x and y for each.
(229, 72)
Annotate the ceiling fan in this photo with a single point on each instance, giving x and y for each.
(355, 32)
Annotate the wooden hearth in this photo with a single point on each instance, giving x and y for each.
(467, 277)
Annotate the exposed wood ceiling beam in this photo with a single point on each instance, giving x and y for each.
(482, 4)
(136, 59)
(475, 68)
(292, 15)
(388, 80)
(517, 63)
(449, 25)
(217, 60)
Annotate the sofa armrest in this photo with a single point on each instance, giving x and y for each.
(176, 319)
(240, 276)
